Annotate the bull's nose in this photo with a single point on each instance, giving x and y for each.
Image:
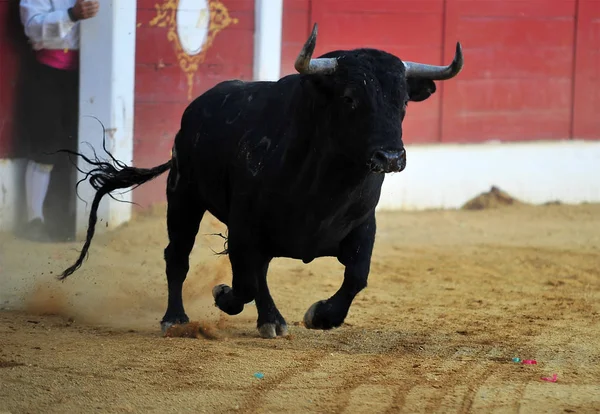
(388, 161)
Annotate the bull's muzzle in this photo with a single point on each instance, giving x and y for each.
(388, 161)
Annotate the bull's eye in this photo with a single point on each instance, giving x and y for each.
(350, 101)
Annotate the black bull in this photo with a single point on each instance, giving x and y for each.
(293, 168)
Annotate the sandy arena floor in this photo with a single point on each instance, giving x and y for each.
(453, 297)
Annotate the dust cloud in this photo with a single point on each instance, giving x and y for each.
(121, 285)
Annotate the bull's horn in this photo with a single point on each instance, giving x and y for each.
(304, 63)
(423, 71)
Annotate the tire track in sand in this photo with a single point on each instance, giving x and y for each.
(448, 387)
(257, 399)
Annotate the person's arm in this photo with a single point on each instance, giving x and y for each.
(42, 25)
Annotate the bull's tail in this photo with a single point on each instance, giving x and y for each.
(105, 178)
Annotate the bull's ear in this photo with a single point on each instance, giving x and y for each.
(420, 89)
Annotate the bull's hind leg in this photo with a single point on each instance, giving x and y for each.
(355, 253)
(183, 221)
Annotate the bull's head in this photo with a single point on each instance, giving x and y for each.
(367, 91)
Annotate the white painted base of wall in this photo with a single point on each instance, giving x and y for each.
(445, 176)
(12, 173)
(12, 197)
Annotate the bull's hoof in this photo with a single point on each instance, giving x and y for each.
(272, 330)
(226, 301)
(220, 290)
(164, 327)
(166, 324)
(321, 315)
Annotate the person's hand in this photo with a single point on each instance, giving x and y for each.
(84, 9)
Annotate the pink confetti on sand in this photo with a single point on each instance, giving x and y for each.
(529, 361)
(553, 379)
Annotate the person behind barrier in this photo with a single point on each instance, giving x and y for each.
(52, 27)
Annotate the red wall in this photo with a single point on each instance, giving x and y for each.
(11, 39)
(532, 67)
(161, 88)
(518, 79)
(586, 122)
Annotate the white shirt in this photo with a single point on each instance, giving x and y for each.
(47, 24)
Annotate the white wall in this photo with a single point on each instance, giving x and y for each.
(268, 16)
(446, 176)
(12, 176)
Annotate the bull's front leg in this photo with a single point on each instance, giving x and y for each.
(246, 267)
(247, 263)
(355, 254)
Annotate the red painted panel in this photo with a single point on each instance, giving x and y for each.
(407, 26)
(295, 31)
(161, 90)
(478, 96)
(411, 30)
(13, 48)
(515, 63)
(502, 32)
(232, 5)
(516, 8)
(517, 80)
(165, 117)
(382, 30)
(510, 126)
(8, 78)
(166, 82)
(155, 127)
(377, 6)
(586, 122)
(228, 44)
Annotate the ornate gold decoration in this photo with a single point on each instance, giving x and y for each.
(166, 16)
